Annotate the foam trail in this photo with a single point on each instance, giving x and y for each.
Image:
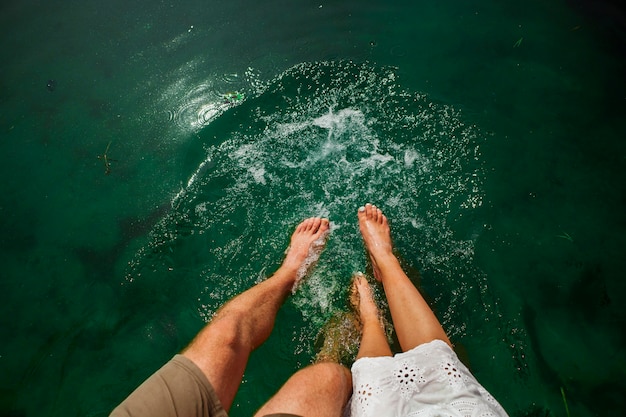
(198, 173)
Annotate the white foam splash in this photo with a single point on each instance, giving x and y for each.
(413, 157)
(315, 251)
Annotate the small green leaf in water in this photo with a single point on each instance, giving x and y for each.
(566, 236)
(565, 402)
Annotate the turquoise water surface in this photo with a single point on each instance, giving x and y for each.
(491, 134)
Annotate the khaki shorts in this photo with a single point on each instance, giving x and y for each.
(179, 388)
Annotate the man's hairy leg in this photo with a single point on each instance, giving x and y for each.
(222, 348)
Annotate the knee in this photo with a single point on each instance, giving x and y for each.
(229, 332)
(223, 334)
(334, 379)
(322, 389)
(330, 371)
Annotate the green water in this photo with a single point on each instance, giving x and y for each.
(490, 133)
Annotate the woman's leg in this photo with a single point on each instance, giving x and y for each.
(373, 340)
(414, 321)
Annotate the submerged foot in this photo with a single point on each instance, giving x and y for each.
(362, 299)
(306, 245)
(338, 340)
(376, 235)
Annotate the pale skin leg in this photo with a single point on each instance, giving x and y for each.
(373, 339)
(222, 347)
(413, 320)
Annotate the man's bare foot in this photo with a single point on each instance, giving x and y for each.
(339, 338)
(376, 235)
(306, 245)
(362, 299)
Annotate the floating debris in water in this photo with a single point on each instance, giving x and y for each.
(107, 160)
(566, 236)
(233, 97)
(565, 402)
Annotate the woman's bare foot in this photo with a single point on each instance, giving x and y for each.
(362, 299)
(376, 235)
(305, 247)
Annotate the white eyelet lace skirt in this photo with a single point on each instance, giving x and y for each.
(428, 380)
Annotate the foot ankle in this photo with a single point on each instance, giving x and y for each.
(307, 242)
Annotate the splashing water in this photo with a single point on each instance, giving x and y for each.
(322, 139)
(315, 250)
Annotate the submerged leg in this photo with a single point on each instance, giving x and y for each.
(413, 320)
(373, 340)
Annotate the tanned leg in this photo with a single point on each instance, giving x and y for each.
(319, 390)
(373, 340)
(222, 348)
(413, 320)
